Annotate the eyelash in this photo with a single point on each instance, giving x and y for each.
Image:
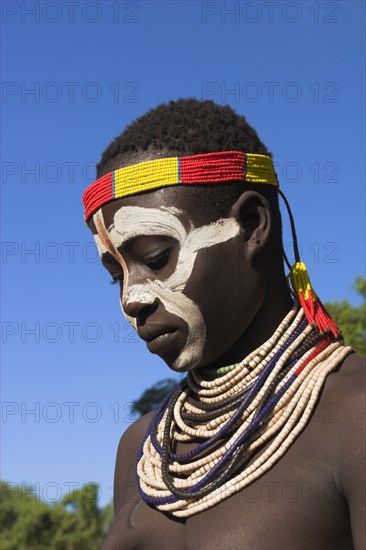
(117, 279)
(159, 261)
(155, 265)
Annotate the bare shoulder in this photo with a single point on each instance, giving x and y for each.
(347, 389)
(346, 386)
(125, 469)
(135, 432)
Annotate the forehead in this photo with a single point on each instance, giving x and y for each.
(170, 196)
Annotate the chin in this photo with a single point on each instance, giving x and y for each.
(178, 366)
(181, 364)
(180, 356)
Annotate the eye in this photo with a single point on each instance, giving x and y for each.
(159, 261)
(118, 278)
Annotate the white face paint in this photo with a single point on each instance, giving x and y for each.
(100, 246)
(134, 221)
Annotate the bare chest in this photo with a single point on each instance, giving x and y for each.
(295, 505)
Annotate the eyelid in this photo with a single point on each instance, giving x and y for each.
(109, 262)
(117, 279)
(162, 256)
(156, 254)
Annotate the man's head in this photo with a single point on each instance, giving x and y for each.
(196, 261)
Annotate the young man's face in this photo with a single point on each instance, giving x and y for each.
(188, 286)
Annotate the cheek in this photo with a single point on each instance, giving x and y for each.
(224, 289)
(204, 289)
(215, 278)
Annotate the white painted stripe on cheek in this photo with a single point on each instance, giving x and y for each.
(178, 304)
(199, 239)
(100, 246)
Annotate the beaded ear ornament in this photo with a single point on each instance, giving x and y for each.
(314, 309)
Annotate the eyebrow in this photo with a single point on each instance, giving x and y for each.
(131, 239)
(124, 241)
(136, 231)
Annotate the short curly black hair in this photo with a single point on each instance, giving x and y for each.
(189, 126)
(183, 127)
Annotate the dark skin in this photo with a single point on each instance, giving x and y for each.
(313, 497)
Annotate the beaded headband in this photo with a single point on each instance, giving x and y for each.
(208, 168)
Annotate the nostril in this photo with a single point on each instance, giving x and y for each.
(132, 308)
(140, 310)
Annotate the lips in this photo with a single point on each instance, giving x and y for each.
(150, 332)
(157, 337)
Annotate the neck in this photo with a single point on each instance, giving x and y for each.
(277, 303)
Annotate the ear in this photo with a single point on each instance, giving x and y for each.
(253, 214)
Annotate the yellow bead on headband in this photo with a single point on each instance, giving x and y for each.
(220, 167)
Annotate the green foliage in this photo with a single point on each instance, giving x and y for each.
(352, 320)
(360, 286)
(106, 518)
(154, 396)
(75, 523)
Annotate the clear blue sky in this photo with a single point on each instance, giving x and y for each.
(295, 70)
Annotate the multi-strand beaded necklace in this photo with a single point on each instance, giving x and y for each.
(231, 413)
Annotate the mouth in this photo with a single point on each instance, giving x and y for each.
(156, 337)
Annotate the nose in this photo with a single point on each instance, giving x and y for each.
(139, 309)
(138, 299)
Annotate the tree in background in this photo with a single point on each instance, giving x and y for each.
(75, 523)
(153, 397)
(25, 522)
(350, 319)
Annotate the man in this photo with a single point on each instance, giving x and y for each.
(261, 445)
